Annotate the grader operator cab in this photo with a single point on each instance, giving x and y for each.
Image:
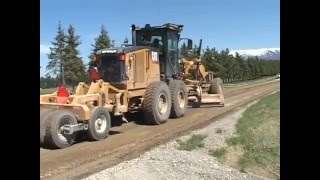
(146, 76)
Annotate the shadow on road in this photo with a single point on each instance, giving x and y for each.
(136, 117)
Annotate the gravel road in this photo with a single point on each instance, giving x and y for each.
(130, 140)
(167, 162)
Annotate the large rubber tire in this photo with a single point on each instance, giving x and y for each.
(179, 98)
(44, 114)
(154, 112)
(214, 88)
(99, 124)
(53, 137)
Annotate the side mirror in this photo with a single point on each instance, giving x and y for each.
(189, 44)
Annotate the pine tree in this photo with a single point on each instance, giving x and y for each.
(245, 68)
(57, 54)
(257, 67)
(211, 59)
(126, 40)
(74, 66)
(183, 52)
(101, 42)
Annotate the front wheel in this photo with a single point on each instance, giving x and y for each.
(197, 102)
(216, 85)
(99, 124)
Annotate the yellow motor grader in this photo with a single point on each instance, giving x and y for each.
(145, 76)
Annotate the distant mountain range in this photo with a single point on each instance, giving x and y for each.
(262, 53)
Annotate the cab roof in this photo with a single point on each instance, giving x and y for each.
(175, 27)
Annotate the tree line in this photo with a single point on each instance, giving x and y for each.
(233, 68)
(66, 65)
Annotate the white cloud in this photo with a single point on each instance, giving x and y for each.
(44, 49)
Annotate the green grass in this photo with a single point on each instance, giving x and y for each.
(196, 141)
(249, 82)
(259, 135)
(51, 90)
(218, 153)
(48, 91)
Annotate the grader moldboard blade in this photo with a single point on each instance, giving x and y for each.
(212, 99)
(217, 98)
(206, 94)
(209, 99)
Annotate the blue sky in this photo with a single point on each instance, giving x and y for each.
(233, 24)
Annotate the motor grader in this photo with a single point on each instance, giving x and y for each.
(146, 76)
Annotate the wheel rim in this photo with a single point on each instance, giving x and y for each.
(181, 100)
(62, 137)
(163, 104)
(100, 124)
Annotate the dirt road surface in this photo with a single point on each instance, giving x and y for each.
(129, 140)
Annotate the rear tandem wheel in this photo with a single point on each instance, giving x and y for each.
(53, 135)
(44, 114)
(156, 105)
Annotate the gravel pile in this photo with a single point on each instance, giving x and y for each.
(167, 162)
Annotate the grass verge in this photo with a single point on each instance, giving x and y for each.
(218, 153)
(258, 136)
(249, 82)
(48, 91)
(196, 141)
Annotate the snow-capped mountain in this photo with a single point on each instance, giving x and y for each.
(263, 53)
